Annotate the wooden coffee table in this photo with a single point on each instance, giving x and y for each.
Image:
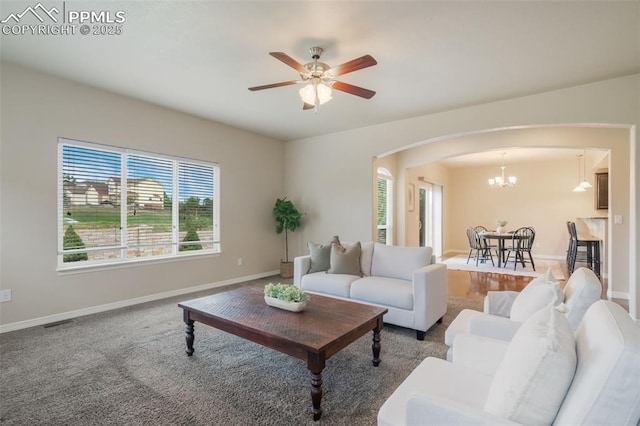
(325, 327)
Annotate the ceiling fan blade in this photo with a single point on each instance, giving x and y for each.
(306, 106)
(289, 61)
(271, 86)
(354, 90)
(354, 65)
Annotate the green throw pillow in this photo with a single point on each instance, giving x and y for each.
(345, 261)
(321, 255)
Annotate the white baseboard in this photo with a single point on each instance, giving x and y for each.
(5, 328)
(537, 256)
(618, 295)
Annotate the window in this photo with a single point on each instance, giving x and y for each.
(385, 206)
(117, 205)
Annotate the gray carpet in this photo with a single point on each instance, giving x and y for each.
(128, 367)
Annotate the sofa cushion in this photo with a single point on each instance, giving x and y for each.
(383, 291)
(366, 255)
(440, 379)
(320, 255)
(399, 262)
(345, 260)
(582, 290)
(536, 371)
(606, 387)
(538, 294)
(331, 284)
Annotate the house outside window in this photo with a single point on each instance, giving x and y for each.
(117, 205)
(385, 206)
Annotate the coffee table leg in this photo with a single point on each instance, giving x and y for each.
(316, 394)
(189, 331)
(315, 364)
(376, 346)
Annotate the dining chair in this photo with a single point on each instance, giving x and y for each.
(483, 252)
(485, 242)
(521, 242)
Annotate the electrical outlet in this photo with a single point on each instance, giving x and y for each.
(617, 219)
(5, 295)
(239, 261)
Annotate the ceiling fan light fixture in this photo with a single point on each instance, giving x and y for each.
(311, 91)
(324, 93)
(320, 79)
(307, 94)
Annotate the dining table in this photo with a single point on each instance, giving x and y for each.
(501, 237)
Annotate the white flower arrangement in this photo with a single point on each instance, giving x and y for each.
(501, 222)
(285, 292)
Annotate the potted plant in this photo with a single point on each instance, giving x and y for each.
(287, 219)
(285, 296)
(501, 226)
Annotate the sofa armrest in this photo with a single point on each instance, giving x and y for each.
(479, 353)
(301, 265)
(499, 302)
(493, 326)
(429, 295)
(432, 409)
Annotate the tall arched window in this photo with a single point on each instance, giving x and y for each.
(385, 206)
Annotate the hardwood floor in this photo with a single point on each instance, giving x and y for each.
(475, 285)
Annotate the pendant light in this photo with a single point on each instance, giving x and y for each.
(584, 182)
(579, 187)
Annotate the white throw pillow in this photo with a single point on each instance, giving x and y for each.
(540, 293)
(536, 372)
(399, 262)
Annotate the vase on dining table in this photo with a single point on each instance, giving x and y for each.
(500, 229)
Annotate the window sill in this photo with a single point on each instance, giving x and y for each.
(98, 267)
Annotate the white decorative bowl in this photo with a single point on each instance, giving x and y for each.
(287, 306)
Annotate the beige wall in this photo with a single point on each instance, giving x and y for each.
(36, 110)
(331, 174)
(543, 198)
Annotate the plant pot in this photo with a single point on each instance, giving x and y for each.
(500, 229)
(287, 306)
(286, 269)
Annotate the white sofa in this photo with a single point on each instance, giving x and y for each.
(504, 311)
(544, 375)
(405, 280)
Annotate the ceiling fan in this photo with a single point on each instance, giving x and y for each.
(320, 78)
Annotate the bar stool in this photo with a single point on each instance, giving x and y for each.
(591, 254)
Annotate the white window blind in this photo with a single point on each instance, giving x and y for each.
(117, 205)
(385, 206)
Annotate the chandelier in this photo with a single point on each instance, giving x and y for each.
(500, 181)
